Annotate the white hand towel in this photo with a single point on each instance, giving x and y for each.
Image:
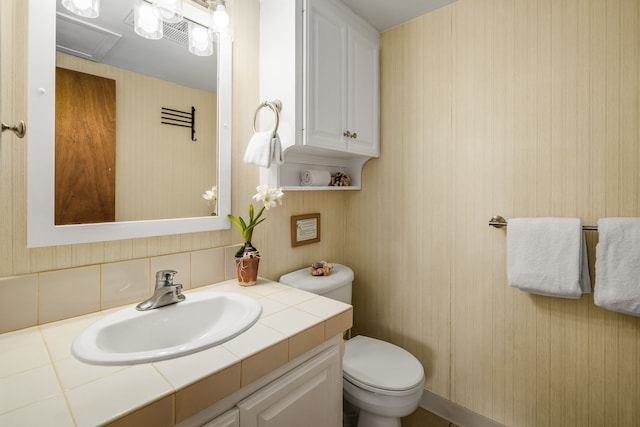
(618, 265)
(264, 148)
(259, 149)
(548, 256)
(276, 150)
(315, 177)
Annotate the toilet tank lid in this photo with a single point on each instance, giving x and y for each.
(374, 363)
(341, 275)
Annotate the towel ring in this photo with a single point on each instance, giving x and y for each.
(275, 106)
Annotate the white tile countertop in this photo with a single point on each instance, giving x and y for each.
(41, 383)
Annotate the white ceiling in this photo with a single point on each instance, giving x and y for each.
(386, 14)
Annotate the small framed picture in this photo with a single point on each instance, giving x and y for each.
(305, 229)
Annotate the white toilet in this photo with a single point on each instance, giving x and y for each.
(383, 381)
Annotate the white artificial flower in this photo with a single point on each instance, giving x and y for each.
(211, 195)
(270, 197)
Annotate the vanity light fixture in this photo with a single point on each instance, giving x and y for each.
(151, 15)
(200, 40)
(170, 10)
(220, 17)
(85, 8)
(147, 21)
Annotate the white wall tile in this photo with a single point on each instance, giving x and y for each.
(19, 302)
(125, 282)
(68, 293)
(207, 267)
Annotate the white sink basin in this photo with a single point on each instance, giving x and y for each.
(203, 320)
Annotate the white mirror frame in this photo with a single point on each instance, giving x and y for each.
(41, 230)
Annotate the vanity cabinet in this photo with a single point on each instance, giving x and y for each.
(228, 419)
(309, 394)
(322, 61)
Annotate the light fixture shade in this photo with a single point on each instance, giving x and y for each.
(147, 21)
(170, 10)
(85, 8)
(200, 40)
(220, 17)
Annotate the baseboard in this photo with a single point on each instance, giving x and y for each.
(454, 413)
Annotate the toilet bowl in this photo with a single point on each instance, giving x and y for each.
(385, 382)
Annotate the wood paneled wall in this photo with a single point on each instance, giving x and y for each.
(518, 108)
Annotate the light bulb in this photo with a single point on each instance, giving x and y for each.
(221, 17)
(170, 10)
(147, 22)
(200, 40)
(85, 8)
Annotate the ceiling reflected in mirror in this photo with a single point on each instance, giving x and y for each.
(110, 38)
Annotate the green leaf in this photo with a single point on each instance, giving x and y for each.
(234, 221)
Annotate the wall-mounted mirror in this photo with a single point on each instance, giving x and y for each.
(160, 171)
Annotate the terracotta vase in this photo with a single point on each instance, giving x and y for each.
(247, 270)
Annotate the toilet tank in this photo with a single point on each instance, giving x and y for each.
(336, 285)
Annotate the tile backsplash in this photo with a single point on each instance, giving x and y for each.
(48, 296)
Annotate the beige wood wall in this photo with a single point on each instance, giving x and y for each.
(272, 237)
(517, 108)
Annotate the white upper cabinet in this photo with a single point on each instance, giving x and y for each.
(322, 61)
(342, 75)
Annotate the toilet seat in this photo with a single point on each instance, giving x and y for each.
(381, 367)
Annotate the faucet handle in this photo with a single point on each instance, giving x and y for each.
(165, 278)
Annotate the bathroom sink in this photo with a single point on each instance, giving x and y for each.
(203, 320)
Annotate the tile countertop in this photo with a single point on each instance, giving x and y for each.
(41, 383)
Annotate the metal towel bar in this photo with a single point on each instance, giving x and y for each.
(499, 222)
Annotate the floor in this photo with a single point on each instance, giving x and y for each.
(423, 418)
(420, 418)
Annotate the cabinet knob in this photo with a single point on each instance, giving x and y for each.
(349, 134)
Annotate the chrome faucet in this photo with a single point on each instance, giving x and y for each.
(166, 292)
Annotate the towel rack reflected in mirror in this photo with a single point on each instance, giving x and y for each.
(275, 106)
(499, 222)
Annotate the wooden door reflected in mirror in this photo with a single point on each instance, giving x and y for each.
(85, 148)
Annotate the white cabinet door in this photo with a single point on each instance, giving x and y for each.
(342, 97)
(363, 94)
(230, 418)
(309, 396)
(326, 89)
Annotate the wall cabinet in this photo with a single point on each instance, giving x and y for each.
(322, 61)
(342, 76)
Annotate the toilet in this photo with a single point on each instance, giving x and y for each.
(382, 380)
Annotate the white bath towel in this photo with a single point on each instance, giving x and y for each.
(617, 285)
(263, 149)
(315, 177)
(548, 256)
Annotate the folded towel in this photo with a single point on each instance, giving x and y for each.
(618, 265)
(263, 149)
(315, 177)
(548, 256)
(276, 150)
